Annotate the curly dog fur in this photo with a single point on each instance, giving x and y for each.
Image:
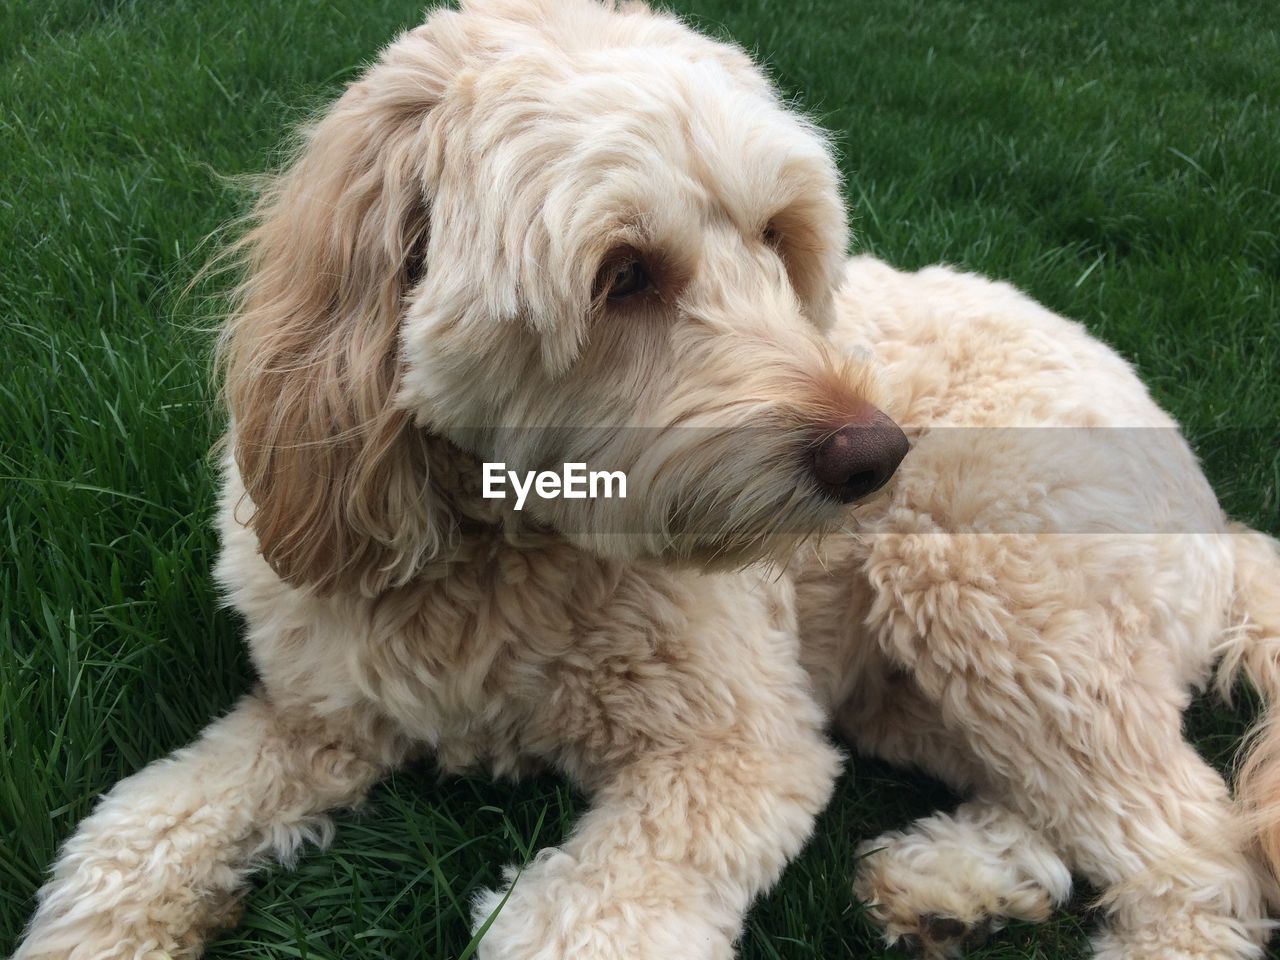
(434, 282)
(1031, 609)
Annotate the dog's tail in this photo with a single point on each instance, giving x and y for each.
(1255, 649)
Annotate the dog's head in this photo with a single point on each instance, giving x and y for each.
(548, 231)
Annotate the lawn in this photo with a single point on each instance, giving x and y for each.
(1120, 159)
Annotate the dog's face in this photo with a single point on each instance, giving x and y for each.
(551, 232)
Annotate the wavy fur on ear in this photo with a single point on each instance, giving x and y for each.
(336, 472)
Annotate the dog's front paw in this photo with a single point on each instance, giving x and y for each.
(560, 908)
(944, 886)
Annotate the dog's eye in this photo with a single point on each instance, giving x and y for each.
(629, 279)
(772, 235)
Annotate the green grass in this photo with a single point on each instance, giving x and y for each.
(1120, 159)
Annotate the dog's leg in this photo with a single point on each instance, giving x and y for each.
(1074, 710)
(886, 716)
(1114, 789)
(1154, 832)
(1098, 768)
(162, 860)
(677, 844)
(952, 879)
(1168, 854)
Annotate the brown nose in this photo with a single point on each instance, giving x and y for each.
(859, 458)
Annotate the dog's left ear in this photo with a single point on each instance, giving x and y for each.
(335, 470)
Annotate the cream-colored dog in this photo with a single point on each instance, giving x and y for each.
(548, 231)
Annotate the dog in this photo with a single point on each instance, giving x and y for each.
(541, 232)
(534, 232)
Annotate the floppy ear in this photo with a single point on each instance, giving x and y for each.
(336, 472)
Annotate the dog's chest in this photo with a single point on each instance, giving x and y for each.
(474, 662)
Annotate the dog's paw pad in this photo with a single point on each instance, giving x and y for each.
(978, 934)
(942, 929)
(941, 936)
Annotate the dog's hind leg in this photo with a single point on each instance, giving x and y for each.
(1076, 714)
(886, 716)
(950, 880)
(161, 862)
(1155, 834)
